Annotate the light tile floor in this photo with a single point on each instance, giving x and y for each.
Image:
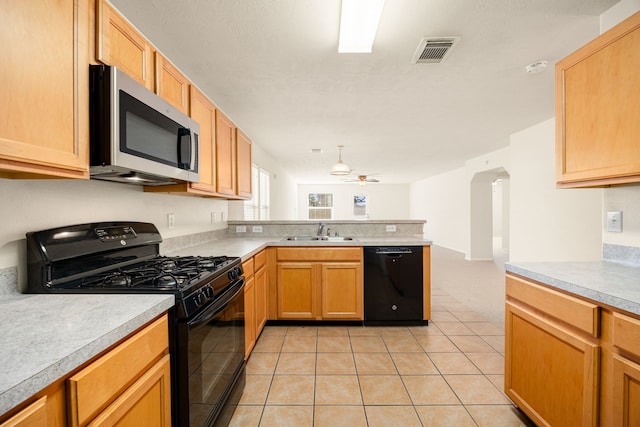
(449, 373)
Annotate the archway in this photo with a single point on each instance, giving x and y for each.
(489, 213)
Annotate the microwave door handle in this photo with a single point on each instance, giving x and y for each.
(184, 148)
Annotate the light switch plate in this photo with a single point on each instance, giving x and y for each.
(241, 228)
(256, 229)
(614, 222)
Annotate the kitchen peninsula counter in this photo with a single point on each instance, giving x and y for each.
(45, 337)
(246, 247)
(607, 283)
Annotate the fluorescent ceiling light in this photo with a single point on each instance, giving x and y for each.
(358, 25)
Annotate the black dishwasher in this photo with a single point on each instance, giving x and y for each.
(393, 285)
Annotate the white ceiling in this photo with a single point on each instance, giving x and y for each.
(273, 67)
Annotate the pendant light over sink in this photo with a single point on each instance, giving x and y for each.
(340, 168)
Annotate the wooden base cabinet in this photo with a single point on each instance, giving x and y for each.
(551, 373)
(626, 392)
(569, 361)
(128, 386)
(319, 283)
(255, 299)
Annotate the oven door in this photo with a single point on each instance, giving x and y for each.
(211, 359)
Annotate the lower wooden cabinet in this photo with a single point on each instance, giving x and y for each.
(569, 361)
(128, 385)
(551, 372)
(255, 299)
(320, 283)
(145, 402)
(626, 392)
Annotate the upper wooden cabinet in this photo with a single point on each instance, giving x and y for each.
(204, 112)
(598, 110)
(44, 82)
(121, 45)
(243, 158)
(171, 84)
(225, 155)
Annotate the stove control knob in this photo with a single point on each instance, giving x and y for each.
(198, 299)
(233, 274)
(208, 292)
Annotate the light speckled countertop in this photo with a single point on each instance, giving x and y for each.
(611, 284)
(246, 247)
(44, 337)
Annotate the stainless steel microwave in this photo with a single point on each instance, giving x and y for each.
(136, 137)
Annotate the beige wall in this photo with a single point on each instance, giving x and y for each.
(386, 201)
(625, 199)
(31, 205)
(549, 224)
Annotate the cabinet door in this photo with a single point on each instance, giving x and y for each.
(171, 84)
(261, 299)
(550, 373)
(297, 290)
(121, 45)
(243, 153)
(597, 125)
(249, 316)
(225, 155)
(33, 415)
(101, 383)
(44, 82)
(204, 112)
(626, 392)
(146, 402)
(342, 286)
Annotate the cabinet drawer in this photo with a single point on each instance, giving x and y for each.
(573, 311)
(626, 333)
(247, 268)
(260, 260)
(96, 386)
(319, 254)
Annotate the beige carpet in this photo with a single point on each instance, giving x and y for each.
(479, 285)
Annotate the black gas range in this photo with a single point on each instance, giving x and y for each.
(207, 332)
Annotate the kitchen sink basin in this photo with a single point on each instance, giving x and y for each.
(303, 238)
(323, 238)
(336, 238)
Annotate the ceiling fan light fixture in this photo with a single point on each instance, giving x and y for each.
(340, 168)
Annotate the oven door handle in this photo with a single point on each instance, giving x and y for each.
(219, 306)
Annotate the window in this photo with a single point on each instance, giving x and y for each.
(258, 206)
(320, 206)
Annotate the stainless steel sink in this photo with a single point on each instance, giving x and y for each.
(323, 238)
(336, 238)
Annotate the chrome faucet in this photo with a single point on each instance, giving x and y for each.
(320, 229)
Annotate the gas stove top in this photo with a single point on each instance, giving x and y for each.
(123, 257)
(160, 273)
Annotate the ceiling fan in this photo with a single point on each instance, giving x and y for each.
(362, 179)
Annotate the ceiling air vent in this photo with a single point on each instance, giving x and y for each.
(433, 50)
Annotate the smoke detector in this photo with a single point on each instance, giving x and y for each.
(536, 67)
(434, 50)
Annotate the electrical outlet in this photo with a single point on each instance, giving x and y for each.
(213, 217)
(171, 221)
(614, 222)
(222, 216)
(391, 228)
(241, 228)
(256, 229)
